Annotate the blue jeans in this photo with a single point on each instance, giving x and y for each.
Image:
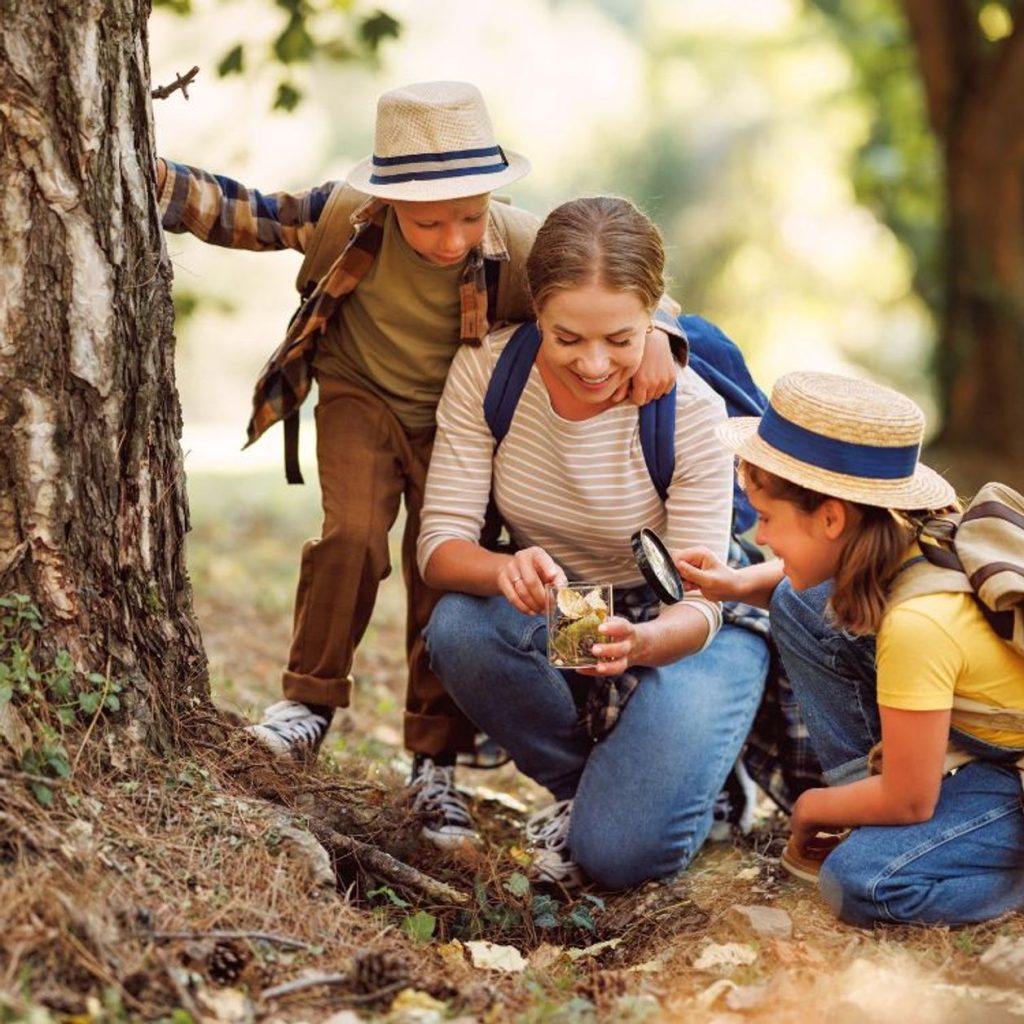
(964, 865)
(643, 795)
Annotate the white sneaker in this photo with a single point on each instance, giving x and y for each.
(447, 822)
(548, 833)
(291, 729)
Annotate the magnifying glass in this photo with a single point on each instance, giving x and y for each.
(657, 566)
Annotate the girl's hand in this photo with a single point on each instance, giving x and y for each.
(656, 374)
(619, 648)
(703, 570)
(524, 576)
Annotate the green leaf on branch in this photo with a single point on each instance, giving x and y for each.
(287, 97)
(378, 27)
(232, 62)
(294, 43)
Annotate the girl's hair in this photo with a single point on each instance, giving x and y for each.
(869, 560)
(601, 239)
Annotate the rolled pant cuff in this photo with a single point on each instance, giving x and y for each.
(437, 734)
(851, 771)
(335, 693)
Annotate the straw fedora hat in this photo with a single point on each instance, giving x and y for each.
(434, 141)
(843, 437)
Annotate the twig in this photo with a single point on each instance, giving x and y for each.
(42, 780)
(389, 867)
(181, 82)
(300, 984)
(280, 940)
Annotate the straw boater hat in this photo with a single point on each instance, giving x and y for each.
(843, 437)
(434, 141)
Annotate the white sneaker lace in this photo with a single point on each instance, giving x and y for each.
(549, 827)
(436, 794)
(295, 723)
(548, 832)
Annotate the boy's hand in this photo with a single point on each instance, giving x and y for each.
(703, 570)
(524, 576)
(656, 374)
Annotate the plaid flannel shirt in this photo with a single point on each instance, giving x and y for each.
(224, 212)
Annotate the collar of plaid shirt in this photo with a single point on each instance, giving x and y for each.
(286, 379)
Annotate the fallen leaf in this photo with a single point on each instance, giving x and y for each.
(727, 954)
(492, 957)
(595, 950)
(452, 952)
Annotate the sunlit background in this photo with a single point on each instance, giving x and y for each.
(732, 123)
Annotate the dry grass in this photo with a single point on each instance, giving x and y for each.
(136, 849)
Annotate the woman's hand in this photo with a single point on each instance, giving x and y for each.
(656, 374)
(703, 570)
(621, 646)
(524, 576)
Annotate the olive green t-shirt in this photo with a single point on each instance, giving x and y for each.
(397, 333)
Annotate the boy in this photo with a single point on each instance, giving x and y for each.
(404, 261)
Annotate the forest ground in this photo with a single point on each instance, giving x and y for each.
(189, 887)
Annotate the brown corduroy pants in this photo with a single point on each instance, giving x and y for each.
(367, 463)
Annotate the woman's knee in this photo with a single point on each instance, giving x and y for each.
(620, 857)
(453, 632)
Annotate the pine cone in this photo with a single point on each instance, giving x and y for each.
(374, 969)
(226, 962)
(603, 988)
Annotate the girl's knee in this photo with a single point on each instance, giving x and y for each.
(848, 889)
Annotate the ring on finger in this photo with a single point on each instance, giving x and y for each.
(516, 580)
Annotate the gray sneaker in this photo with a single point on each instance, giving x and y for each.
(547, 832)
(292, 729)
(447, 822)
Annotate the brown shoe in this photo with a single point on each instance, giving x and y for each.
(805, 863)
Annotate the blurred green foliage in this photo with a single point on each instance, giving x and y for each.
(309, 29)
(898, 170)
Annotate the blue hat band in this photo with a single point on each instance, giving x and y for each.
(429, 166)
(867, 461)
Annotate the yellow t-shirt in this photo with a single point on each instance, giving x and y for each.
(933, 646)
(396, 334)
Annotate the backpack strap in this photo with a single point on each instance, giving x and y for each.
(511, 372)
(658, 440)
(330, 236)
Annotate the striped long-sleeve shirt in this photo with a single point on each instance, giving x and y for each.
(578, 489)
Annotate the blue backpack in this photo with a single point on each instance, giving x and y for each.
(714, 357)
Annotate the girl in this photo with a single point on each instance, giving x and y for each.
(832, 471)
(570, 482)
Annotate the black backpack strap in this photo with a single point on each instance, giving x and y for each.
(292, 471)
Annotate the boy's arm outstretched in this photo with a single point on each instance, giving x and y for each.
(703, 570)
(224, 212)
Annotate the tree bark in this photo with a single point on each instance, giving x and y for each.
(93, 510)
(974, 93)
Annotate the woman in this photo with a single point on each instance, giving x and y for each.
(570, 482)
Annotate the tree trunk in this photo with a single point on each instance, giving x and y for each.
(981, 344)
(974, 89)
(93, 510)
